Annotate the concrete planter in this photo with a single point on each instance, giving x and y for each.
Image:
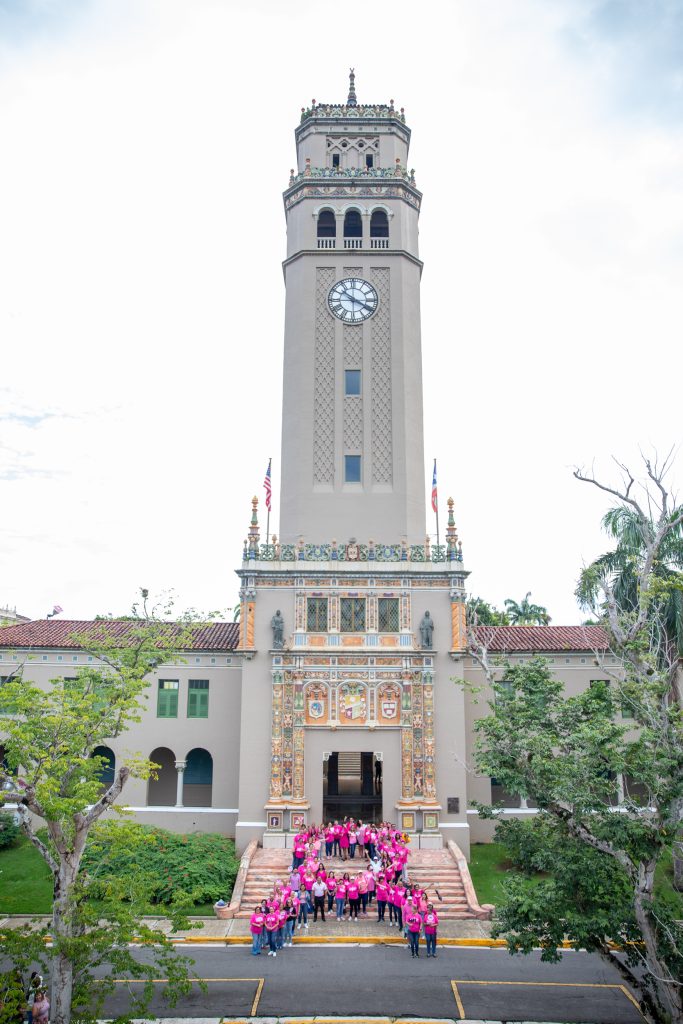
(222, 913)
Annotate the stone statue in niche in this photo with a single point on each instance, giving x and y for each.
(426, 631)
(277, 624)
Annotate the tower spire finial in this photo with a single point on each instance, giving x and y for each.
(352, 101)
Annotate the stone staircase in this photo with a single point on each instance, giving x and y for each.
(429, 868)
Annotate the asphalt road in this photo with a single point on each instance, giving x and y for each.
(480, 984)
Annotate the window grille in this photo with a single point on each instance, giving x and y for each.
(387, 612)
(352, 612)
(316, 614)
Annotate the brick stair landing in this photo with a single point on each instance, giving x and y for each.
(429, 868)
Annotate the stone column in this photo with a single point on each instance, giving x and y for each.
(180, 768)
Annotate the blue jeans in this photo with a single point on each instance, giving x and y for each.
(272, 940)
(303, 912)
(414, 942)
(340, 908)
(431, 944)
(328, 849)
(279, 938)
(256, 943)
(381, 908)
(289, 929)
(352, 850)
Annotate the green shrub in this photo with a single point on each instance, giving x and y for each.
(200, 864)
(9, 830)
(528, 844)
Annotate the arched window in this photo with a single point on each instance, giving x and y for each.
(327, 224)
(161, 792)
(379, 230)
(107, 767)
(198, 783)
(353, 224)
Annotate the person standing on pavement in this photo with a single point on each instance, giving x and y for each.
(353, 893)
(256, 927)
(290, 922)
(414, 924)
(431, 922)
(272, 924)
(340, 896)
(319, 892)
(331, 888)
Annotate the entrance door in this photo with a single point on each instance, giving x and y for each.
(349, 787)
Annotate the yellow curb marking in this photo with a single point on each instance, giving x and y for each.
(458, 1000)
(539, 984)
(259, 990)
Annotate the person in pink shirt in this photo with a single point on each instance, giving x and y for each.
(256, 927)
(344, 843)
(382, 898)
(329, 840)
(353, 893)
(340, 896)
(280, 934)
(414, 925)
(336, 832)
(431, 922)
(272, 923)
(370, 879)
(299, 851)
(331, 889)
(363, 890)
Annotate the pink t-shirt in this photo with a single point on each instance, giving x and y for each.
(272, 922)
(283, 915)
(341, 890)
(431, 922)
(414, 921)
(344, 839)
(256, 923)
(382, 891)
(308, 882)
(399, 895)
(331, 884)
(353, 890)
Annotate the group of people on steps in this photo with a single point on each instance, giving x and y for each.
(379, 881)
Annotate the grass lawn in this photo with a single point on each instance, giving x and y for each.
(25, 880)
(26, 883)
(488, 867)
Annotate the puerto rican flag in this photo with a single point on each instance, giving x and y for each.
(267, 485)
(435, 500)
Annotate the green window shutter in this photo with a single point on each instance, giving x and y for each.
(198, 698)
(167, 700)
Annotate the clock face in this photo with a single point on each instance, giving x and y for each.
(352, 300)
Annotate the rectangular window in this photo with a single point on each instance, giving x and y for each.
(316, 614)
(198, 698)
(352, 469)
(351, 382)
(167, 698)
(352, 610)
(369, 159)
(335, 159)
(505, 689)
(387, 613)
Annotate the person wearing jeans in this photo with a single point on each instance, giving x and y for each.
(272, 925)
(290, 922)
(303, 911)
(431, 923)
(256, 928)
(413, 924)
(331, 888)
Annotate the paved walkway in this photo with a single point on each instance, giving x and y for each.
(211, 929)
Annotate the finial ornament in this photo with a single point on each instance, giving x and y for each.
(352, 101)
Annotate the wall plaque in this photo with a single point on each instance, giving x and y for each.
(454, 805)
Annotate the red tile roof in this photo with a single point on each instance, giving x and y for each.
(215, 636)
(546, 639)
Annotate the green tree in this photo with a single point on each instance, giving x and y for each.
(54, 778)
(481, 613)
(568, 755)
(525, 613)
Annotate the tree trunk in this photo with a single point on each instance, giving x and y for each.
(62, 928)
(667, 991)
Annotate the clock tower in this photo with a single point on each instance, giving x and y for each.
(352, 622)
(352, 436)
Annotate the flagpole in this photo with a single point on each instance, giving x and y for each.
(436, 505)
(268, 516)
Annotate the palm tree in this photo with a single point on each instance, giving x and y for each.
(619, 568)
(525, 613)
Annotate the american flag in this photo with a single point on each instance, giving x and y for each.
(435, 501)
(266, 484)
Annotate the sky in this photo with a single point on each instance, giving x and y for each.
(145, 147)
